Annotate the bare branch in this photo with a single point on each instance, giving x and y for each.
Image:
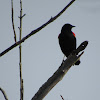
(35, 31)
(59, 74)
(4, 94)
(20, 54)
(62, 97)
(13, 21)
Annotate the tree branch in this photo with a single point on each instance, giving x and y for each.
(13, 21)
(35, 31)
(59, 74)
(20, 54)
(4, 94)
(62, 97)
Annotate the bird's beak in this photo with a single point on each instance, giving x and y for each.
(73, 26)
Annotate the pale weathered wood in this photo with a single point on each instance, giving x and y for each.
(59, 74)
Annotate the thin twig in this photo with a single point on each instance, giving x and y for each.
(13, 21)
(62, 97)
(20, 54)
(35, 31)
(4, 94)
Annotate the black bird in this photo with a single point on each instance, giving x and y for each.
(67, 40)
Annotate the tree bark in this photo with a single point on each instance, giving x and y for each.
(59, 74)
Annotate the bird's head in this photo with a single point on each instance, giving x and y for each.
(67, 27)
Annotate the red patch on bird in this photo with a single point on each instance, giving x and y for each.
(74, 34)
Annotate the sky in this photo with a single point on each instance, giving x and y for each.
(41, 54)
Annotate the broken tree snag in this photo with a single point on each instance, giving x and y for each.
(59, 74)
(81, 47)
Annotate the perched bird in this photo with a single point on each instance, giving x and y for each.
(67, 40)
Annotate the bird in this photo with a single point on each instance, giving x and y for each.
(67, 40)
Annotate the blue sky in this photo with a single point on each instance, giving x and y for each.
(41, 54)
